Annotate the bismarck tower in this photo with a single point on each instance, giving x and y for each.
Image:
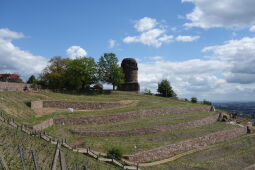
(129, 66)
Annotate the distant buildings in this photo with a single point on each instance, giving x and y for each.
(10, 78)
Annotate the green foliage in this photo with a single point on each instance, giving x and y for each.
(147, 91)
(193, 100)
(81, 73)
(109, 71)
(207, 102)
(114, 153)
(54, 75)
(165, 89)
(32, 80)
(77, 74)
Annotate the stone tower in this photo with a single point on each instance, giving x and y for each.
(129, 66)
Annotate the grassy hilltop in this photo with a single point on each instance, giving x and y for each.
(223, 155)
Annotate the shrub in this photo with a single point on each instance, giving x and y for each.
(147, 91)
(165, 89)
(114, 153)
(193, 100)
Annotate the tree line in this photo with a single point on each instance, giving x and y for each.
(80, 73)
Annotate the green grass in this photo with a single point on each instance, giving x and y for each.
(146, 122)
(237, 153)
(10, 139)
(233, 154)
(133, 144)
(14, 103)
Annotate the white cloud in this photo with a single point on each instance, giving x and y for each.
(183, 38)
(221, 13)
(252, 29)
(76, 52)
(201, 78)
(150, 34)
(145, 24)
(111, 43)
(15, 60)
(239, 55)
(6, 33)
(154, 37)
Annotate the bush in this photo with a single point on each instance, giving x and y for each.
(193, 100)
(114, 153)
(147, 91)
(165, 89)
(207, 102)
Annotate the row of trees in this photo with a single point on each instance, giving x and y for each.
(81, 73)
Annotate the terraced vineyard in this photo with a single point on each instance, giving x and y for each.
(146, 129)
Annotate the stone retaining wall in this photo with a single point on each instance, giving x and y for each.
(74, 105)
(185, 146)
(13, 86)
(145, 131)
(129, 115)
(43, 125)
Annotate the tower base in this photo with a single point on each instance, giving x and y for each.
(129, 87)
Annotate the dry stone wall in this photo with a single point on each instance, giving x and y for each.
(44, 125)
(36, 105)
(80, 105)
(145, 131)
(185, 146)
(129, 115)
(74, 105)
(13, 86)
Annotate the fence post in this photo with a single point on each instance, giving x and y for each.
(20, 150)
(62, 160)
(54, 163)
(2, 162)
(34, 160)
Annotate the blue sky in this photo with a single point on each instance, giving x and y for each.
(204, 48)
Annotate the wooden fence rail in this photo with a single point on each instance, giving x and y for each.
(47, 138)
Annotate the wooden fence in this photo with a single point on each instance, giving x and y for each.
(46, 137)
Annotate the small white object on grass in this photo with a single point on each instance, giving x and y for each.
(70, 110)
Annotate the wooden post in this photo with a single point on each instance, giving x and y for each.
(20, 150)
(54, 163)
(34, 160)
(3, 163)
(62, 160)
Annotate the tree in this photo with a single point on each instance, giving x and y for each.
(32, 80)
(207, 102)
(81, 73)
(109, 70)
(54, 75)
(193, 100)
(165, 89)
(147, 91)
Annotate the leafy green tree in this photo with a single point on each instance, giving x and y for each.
(165, 89)
(193, 100)
(32, 80)
(81, 73)
(207, 102)
(54, 75)
(109, 70)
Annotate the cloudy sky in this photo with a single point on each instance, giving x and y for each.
(204, 48)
